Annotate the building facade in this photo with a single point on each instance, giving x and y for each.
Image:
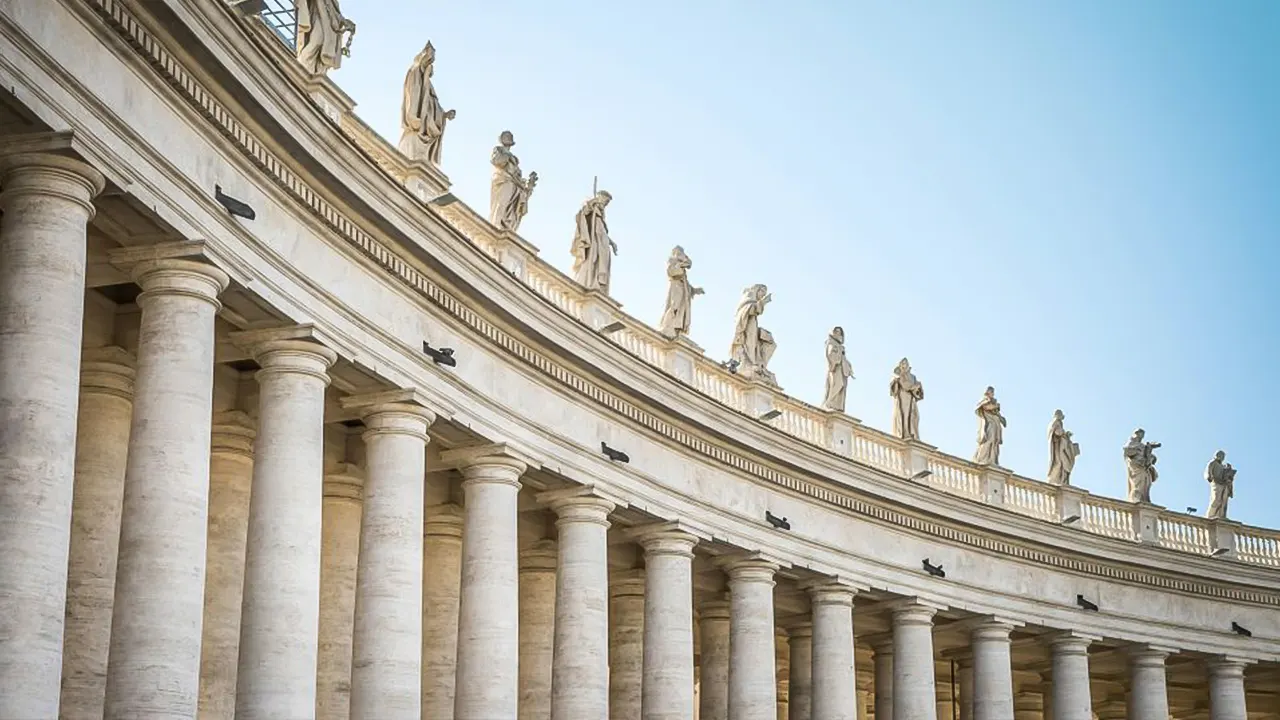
(290, 432)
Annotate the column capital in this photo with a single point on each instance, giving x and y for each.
(914, 611)
(108, 370)
(627, 583)
(288, 349)
(1228, 666)
(748, 567)
(1149, 655)
(392, 412)
(881, 644)
(798, 628)
(542, 556)
(497, 463)
(714, 610)
(50, 175)
(581, 508)
(177, 276)
(344, 481)
(993, 628)
(831, 592)
(233, 433)
(665, 538)
(443, 521)
(1070, 642)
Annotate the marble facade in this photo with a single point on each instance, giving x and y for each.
(233, 486)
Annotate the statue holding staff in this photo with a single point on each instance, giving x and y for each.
(1140, 458)
(593, 249)
(324, 35)
(509, 191)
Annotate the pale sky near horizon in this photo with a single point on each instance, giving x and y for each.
(1075, 201)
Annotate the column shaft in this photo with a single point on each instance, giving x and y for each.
(667, 689)
(713, 674)
(386, 665)
(626, 645)
(339, 557)
(102, 449)
(964, 683)
(882, 655)
(1070, 699)
(914, 692)
(279, 640)
(753, 684)
(579, 668)
(230, 478)
(537, 628)
(800, 679)
(1148, 693)
(441, 582)
(46, 203)
(154, 665)
(1226, 689)
(835, 681)
(992, 672)
(488, 614)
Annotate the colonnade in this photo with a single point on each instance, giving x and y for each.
(215, 567)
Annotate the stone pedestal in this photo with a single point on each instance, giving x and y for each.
(441, 583)
(580, 669)
(102, 447)
(753, 689)
(230, 477)
(537, 629)
(386, 664)
(339, 556)
(713, 672)
(1146, 526)
(279, 644)
(154, 665)
(47, 204)
(488, 620)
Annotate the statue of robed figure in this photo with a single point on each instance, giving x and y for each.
(753, 346)
(676, 315)
(839, 371)
(1140, 458)
(1222, 485)
(907, 392)
(422, 118)
(592, 249)
(991, 425)
(324, 36)
(1063, 451)
(509, 191)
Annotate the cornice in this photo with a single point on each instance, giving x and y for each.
(243, 139)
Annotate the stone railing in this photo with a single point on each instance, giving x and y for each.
(837, 432)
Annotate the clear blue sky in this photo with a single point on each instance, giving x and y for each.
(1077, 202)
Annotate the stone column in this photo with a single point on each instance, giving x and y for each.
(964, 685)
(580, 658)
(102, 446)
(713, 671)
(537, 629)
(1148, 694)
(753, 684)
(279, 641)
(1070, 700)
(441, 581)
(800, 679)
(992, 671)
(882, 655)
(914, 692)
(626, 644)
(835, 681)
(782, 671)
(339, 556)
(47, 204)
(488, 613)
(667, 690)
(230, 477)
(154, 665)
(386, 645)
(1226, 689)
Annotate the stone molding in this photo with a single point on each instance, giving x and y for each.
(184, 82)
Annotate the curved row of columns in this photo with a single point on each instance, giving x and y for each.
(266, 608)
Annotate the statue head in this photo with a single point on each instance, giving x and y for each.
(506, 139)
(837, 332)
(903, 368)
(603, 197)
(426, 59)
(1220, 456)
(991, 391)
(1139, 434)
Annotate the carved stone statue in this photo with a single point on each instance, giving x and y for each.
(1062, 451)
(509, 191)
(1222, 485)
(422, 119)
(907, 392)
(592, 249)
(991, 425)
(1140, 458)
(838, 372)
(324, 36)
(753, 345)
(680, 293)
